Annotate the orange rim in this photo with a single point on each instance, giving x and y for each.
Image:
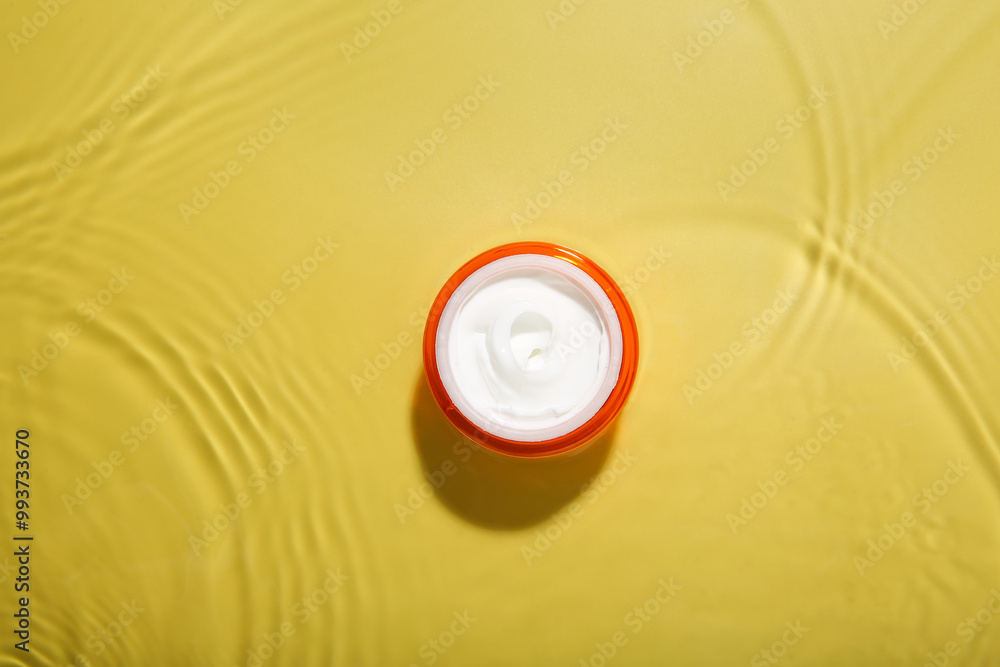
(608, 411)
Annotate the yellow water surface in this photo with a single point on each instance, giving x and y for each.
(222, 223)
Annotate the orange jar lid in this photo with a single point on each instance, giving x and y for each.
(531, 349)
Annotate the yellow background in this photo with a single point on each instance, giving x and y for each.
(550, 571)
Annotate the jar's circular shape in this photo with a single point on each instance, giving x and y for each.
(531, 349)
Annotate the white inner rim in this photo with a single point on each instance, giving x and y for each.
(445, 345)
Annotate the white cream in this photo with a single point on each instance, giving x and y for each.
(529, 348)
